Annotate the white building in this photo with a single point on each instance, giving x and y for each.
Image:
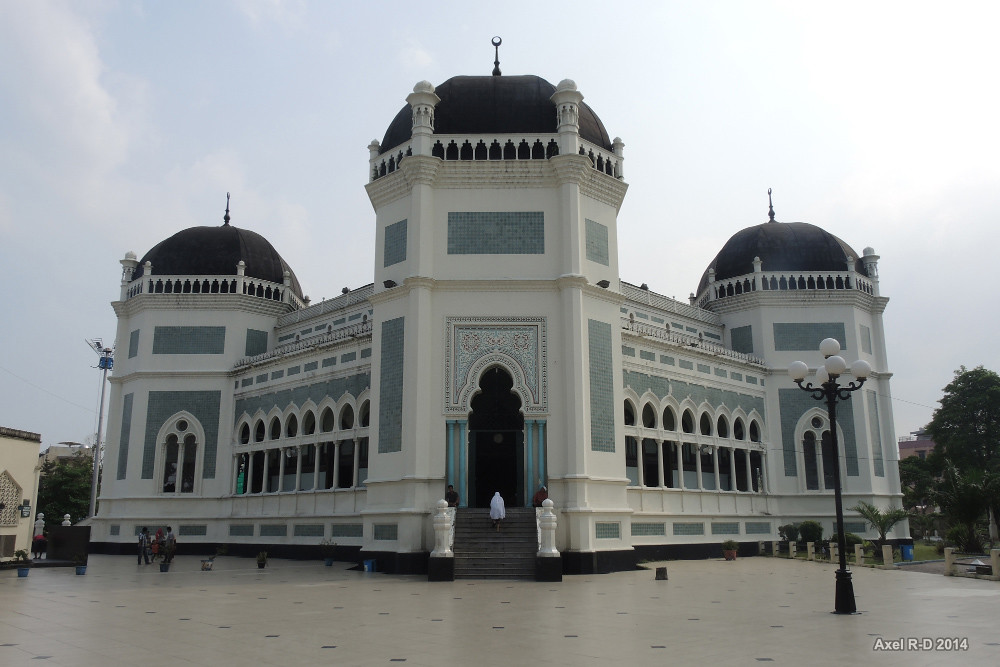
(496, 349)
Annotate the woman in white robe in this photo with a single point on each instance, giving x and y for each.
(497, 510)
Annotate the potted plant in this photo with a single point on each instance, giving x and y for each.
(262, 560)
(207, 563)
(328, 549)
(729, 549)
(23, 563)
(80, 561)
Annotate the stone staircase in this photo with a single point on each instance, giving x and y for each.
(483, 553)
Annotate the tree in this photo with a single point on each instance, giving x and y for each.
(917, 478)
(966, 428)
(64, 488)
(963, 499)
(881, 520)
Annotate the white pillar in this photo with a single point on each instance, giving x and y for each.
(316, 447)
(248, 484)
(282, 455)
(442, 527)
(547, 531)
(298, 468)
(732, 469)
(336, 464)
(659, 461)
(680, 464)
(746, 461)
(715, 467)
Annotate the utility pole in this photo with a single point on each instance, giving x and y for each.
(105, 363)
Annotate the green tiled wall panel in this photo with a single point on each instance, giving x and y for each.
(757, 527)
(726, 528)
(689, 529)
(597, 242)
(792, 404)
(806, 336)
(256, 342)
(394, 251)
(189, 340)
(133, 344)
(663, 387)
(876, 433)
(204, 405)
(347, 530)
(316, 392)
(742, 339)
(390, 414)
(496, 233)
(608, 530)
(602, 402)
(123, 441)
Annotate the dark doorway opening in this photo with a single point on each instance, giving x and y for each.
(496, 442)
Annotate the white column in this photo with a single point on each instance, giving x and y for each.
(179, 477)
(732, 469)
(336, 464)
(821, 482)
(659, 460)
(680, 464)
(281, 468)
(697, 466)
(357, 458)
(316, 447)
(746, 460)
(248, 483)
(715, 467)
(298, 468)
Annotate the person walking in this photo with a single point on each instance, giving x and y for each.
(143, 545)
(497, 510)
(170, 546)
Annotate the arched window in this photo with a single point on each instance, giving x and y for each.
(258, 431)
(179, 456)
(754, 431)
(687, 422)
(669, 422)
(245, 434)
(292, 426)
(629, 414)
(706, 424)
(648, 416)
(364, 414)
(309, 423)
(722, 427)
(347, 418)
(738, 431)
(275, 428)
(326, 420)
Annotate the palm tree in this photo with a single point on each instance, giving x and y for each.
(881, 520)
(964, 500)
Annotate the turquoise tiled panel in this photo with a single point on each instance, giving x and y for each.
(192, 530)
(642, 316)
(394, 251)
(282, 339)
(347, 530)
(355, 316)
(256, 342)
(496, 233)
(123, 441)
(608, 530)
(390, 414)
(733, 375)
(856, 527)
(628, 351)
(757, 527)
(204, 405)
(261, 378)
(658, 320)
(709, 334)
(689, 365)
(329, 361)
(241, 530)
(742, 339)
(350, 356)
(597, 242)
(307, 330)
(691, 329)
(648, 356)
(342, 320)
(663, 387)
(294, 370)
(307, 530)
(299, 395)
(133, 344)
(115, 529)
(645, 529)
(876, 433)
(311, 366)
(386, 531)
(725, 528)
(366, 353)
(704, 368)
(273, 530)
(751, 379)
(806, 336)
(721, 372)
(277, 375)
(669, 361)
(792, 404)
(602, 392)
(689, 529)
(189, 340)
(677, 325)
(246, 382)
(866, 339)
(623, 309)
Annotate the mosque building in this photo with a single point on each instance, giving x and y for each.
(494, 348)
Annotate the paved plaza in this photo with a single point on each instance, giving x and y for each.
(750, 611)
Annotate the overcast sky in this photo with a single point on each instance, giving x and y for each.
(124, 122)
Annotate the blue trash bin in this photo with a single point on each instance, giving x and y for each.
(369, 565)
(907, 551)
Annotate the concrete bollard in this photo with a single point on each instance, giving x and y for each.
(547, 530)
(949, 561)
(834, 552)
(810, 551)
(661, 574)
(995, 563)
(859, 555)
(792, 548)
(66, 521)
(775, 548)
(761, 550)
(887, 556)
(442, 528)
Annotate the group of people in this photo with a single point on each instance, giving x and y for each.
(498, 510)
(152, 548)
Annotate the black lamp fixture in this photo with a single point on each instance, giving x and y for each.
(604, 284)
(829, 390)
(389, 284)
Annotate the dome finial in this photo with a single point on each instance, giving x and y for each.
(496, 61)
(225, 218)
(770, 207)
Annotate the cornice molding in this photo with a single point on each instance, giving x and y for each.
(231, 302)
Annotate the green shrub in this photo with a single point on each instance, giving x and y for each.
(789, 532)
(730, 545)
(850, 538)
(810, 531)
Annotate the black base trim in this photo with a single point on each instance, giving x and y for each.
(440, 569)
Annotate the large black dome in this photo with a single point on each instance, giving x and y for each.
(215, 251)
(495, 105)
(782, 246)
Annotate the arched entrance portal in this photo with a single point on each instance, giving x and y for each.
(496, 441)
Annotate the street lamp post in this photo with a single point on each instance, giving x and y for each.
(830, 391)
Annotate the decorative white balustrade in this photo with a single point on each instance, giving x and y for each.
(665, 334)
(244, 285)
(785, 281)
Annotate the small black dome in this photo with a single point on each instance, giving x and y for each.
(782, 246)
(215, 251)
(495, 105)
